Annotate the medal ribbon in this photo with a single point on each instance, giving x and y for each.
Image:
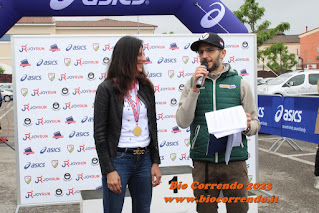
(135, 107)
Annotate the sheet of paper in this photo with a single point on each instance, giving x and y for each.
(226, 121)
(233, 141)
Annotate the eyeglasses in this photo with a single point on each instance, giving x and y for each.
(207, 50)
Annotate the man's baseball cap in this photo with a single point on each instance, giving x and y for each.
(210, 38)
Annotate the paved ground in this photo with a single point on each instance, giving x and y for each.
(289, 171)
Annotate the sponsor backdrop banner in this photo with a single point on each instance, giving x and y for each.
(56, 79)
(291, 117)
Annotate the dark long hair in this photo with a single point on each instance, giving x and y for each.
(123, 67)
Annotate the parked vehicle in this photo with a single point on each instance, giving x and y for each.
(294, 83)
(259, 79)
(6, 95)
(265, 80)
(8, 87)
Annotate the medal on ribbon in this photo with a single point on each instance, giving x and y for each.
(136, 111)
(137, 131)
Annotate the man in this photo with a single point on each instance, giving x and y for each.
(222, 88)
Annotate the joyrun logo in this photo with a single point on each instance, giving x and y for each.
(62, 4)
(208, 21)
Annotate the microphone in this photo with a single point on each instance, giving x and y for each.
(200, 79)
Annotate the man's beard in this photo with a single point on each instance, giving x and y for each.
(215, 66)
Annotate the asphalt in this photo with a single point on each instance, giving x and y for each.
(290, 172)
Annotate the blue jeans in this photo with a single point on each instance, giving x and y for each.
(134, 171)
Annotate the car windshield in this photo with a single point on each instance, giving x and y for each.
(280, 79)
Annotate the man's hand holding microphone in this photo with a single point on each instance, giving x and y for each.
(200, 76)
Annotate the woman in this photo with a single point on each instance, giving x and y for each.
(125, 130)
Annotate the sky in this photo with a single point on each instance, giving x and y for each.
(298, 13)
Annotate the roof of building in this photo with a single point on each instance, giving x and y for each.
(309, 32)
(283, 38)
(99, 23)
(35, 20)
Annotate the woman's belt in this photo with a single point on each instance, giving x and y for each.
(134, 151)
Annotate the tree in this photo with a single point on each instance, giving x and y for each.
(279, 58)
(249, 13)
(2, 70)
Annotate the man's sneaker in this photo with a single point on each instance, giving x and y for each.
(316, 185)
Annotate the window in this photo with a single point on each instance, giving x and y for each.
(313, 79)
(298, 80)
(295, 81)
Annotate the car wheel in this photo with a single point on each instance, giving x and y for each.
(6, 98)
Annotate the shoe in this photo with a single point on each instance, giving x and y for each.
(316, 184)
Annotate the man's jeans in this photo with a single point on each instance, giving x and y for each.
(134, 171)
(224, 174)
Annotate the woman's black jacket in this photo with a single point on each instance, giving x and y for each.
(108, 113)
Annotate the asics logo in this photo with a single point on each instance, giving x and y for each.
(290, 115)
(62, 4)
(207, 21)
(279, 113)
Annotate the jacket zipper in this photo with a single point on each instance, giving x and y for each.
(195, 137)
(214, 109)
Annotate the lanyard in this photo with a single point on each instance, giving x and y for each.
(135, 107)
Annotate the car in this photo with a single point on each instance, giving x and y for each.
(8, 87)
(265, 80)
(259, 79)
(293, 83)
(6, 95)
